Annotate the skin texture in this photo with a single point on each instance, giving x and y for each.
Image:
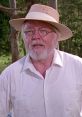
(40, 47)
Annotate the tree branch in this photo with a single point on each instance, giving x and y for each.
(8, 11)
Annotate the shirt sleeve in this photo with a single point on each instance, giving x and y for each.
(4, 94)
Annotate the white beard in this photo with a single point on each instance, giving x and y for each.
(41, 56)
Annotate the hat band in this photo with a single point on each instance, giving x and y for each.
(40, 16)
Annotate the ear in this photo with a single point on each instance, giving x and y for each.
(58, 35)
(57, 39)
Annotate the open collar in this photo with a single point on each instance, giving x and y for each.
(57, 60)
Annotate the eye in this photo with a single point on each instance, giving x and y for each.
(28, 32)
(43, 32)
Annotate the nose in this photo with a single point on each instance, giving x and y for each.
(36, 35)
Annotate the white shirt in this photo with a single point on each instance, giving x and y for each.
(30, 95)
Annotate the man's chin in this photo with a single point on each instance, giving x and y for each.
(38, 50)
(38, 55)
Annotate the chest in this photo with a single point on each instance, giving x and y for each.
(58, 91)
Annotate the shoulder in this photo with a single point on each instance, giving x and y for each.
(12, 73)
(14, 67)
(70, 57)
(70, 61)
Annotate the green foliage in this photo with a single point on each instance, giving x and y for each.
(4, 30)
(4, 2)
(4, 34)
(71, 15)
(23, 3)
(5, 60)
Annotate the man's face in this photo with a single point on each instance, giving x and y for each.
(39, 38)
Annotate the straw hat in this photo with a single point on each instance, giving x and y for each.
(43, 13)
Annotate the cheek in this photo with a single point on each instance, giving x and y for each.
(51, 40)
(52, 43)
(51, 36)
(26, 42)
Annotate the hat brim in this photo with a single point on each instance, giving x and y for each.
(65, 32)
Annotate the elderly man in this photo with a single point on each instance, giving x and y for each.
(46, 82)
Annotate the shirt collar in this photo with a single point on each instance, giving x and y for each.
(28, 64)
(57, 60)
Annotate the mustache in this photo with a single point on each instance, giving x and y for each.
(37, 42)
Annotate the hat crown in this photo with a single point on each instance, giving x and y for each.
(43, 13)
(45, 10)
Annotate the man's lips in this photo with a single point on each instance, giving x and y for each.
(35, 45)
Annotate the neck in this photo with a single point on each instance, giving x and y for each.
(42, 65)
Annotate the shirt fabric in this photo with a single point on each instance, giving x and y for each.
(24, 89)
